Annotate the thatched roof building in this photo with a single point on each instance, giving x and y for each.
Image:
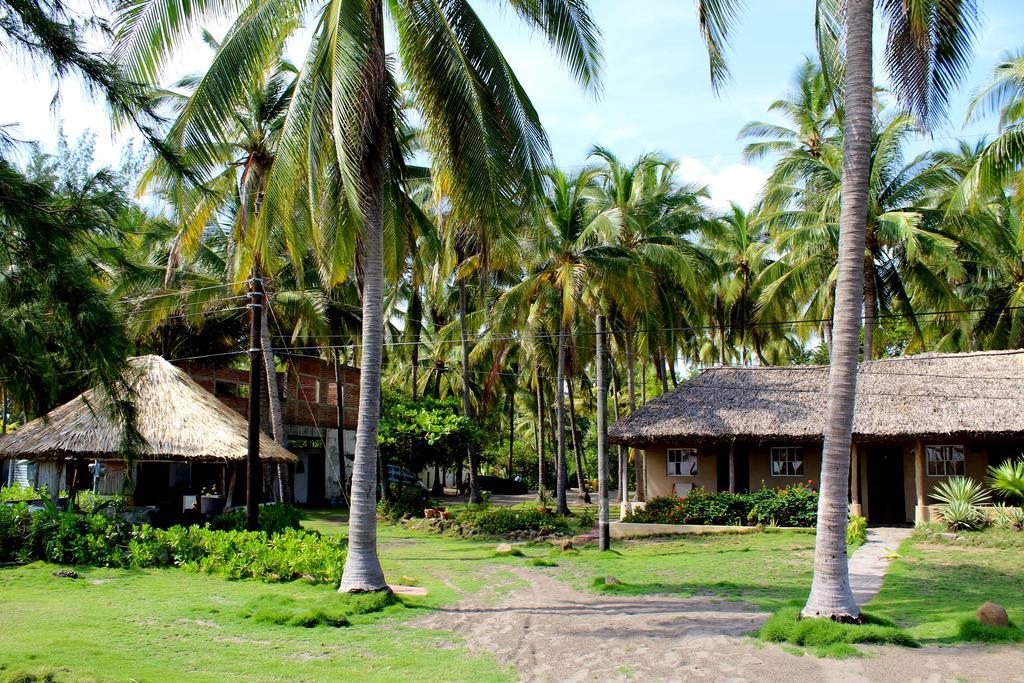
(179, 420)
(926, 396)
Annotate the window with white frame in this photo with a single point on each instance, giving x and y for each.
(787, 461)
(682, 462)
(945, 461)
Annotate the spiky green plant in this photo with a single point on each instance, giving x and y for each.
(960, 501)
(1007, 479)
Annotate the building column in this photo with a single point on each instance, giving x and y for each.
(855, 506)
(333, 452)
(921, 513)
(732, 466)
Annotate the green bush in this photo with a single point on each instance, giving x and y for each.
(795, 505)
(498, 521)
(273, 519)
(16, 493)
(411, 501)
(973, 631)
(15, 521)
(109, 541)
(333, 610)
(960, 500)
(830, 638)
(856, 530)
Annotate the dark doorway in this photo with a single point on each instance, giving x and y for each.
(742, 459)
(886, 498)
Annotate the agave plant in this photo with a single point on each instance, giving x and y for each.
(1007, 479)
(960, 501)
(1008, 517)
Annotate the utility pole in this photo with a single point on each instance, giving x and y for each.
(602, 439)
(253, 487)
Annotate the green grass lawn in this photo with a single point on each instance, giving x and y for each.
(938, 582)
(160, 624)
(768, 569)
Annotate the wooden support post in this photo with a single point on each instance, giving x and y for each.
(855, 506)
(602, 438)
(921, 512)
(732, 466)
(252, 461)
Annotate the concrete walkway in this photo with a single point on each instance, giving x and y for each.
(869, 562)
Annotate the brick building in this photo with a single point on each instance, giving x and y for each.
(309, 405)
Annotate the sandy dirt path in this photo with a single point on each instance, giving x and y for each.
(550, 631)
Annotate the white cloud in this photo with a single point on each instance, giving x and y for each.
(740, 183)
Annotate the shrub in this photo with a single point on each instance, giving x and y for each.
(659, 510)
(1007, 517)
(960, 501)
(973, 631)
(795, 505)
(1007, 479)
(411, 500)
(829, 637)
(498, 521)
(273, 519)
(289, 555)
(15, 521)
(16, 493)
(98, 540)
(856, 530)
(333, 610)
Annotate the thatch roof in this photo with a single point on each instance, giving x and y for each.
(929, 395)
(178, 419)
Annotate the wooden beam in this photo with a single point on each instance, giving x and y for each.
(921, 512)
(855, 506)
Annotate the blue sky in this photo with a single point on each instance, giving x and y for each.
(657, 94)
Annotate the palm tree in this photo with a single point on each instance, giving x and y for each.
(653, 216)
(339, 141)
(910, 259)
(740, 247)
(1001, 162)
(570, 258)
(927, 52)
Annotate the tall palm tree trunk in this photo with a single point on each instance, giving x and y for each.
(511, 428)
(577, 448)
(415, 328)
(870, 305)
(467, 405)
(831, 595)
(562, 481)
(362, 566)
(623, 481)
(541, 468)
(283, 491)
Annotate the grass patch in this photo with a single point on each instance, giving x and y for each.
(513, 552)
(973, 631)
(768, 570)
(333, 610)
(827, 638)
(938, 582)
(541, 562)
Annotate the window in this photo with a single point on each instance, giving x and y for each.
(682, 462)
(787, 461)
(945, 461)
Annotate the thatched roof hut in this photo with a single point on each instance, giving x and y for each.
(179, 420)
(929, 395)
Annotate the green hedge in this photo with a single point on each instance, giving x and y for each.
(795, 505)
(61, 537)
(498, 521)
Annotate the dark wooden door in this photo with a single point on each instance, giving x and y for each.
(742, 459)
(886, 498)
